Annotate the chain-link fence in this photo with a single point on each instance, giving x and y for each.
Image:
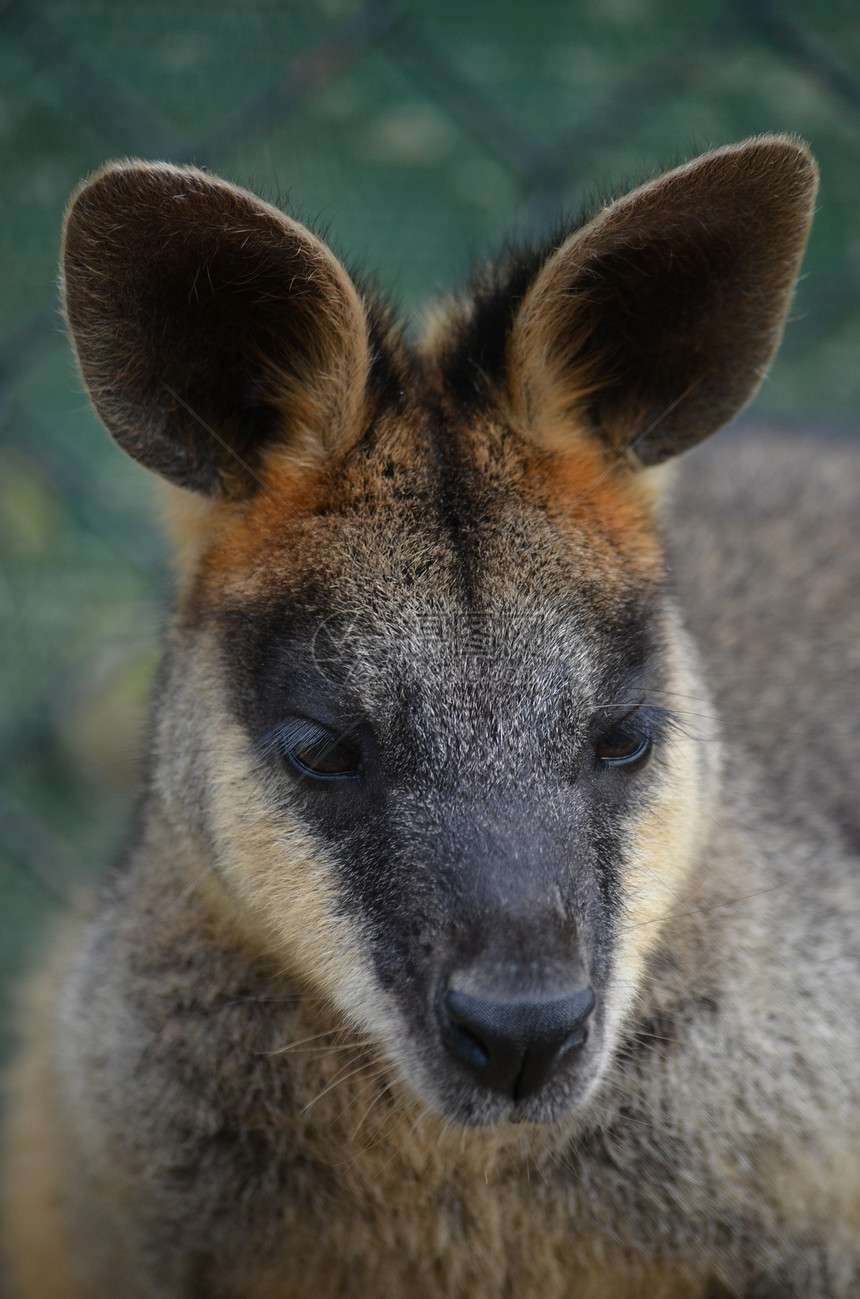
(415, 134)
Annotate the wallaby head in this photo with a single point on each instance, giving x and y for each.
(422, 730)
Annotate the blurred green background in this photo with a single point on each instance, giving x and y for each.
(415, 134)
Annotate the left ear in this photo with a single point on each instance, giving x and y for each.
(655, 324)
(208, 326)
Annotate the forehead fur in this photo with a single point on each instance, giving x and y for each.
(436, 505)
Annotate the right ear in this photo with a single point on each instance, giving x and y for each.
(654, 324)
(208, 325)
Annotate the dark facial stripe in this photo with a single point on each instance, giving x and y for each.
(457, 504)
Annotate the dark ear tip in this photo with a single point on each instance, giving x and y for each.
(128, 178)
(126, 172)
(793, 152)
(97, 196)
(786, 157)
(107, 180)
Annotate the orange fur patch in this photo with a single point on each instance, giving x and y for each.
(585, 491)
(248, 537)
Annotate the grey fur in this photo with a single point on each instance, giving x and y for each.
(234, 1085)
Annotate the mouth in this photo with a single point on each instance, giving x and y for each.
(471, 1105)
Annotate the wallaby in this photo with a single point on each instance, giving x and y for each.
(490, 925)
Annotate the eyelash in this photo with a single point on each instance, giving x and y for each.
(315, 751)
(628, 742)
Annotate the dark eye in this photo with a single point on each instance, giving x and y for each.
(315, 750)
(625, 745)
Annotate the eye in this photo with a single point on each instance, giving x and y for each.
(625, 745)
(315, 750)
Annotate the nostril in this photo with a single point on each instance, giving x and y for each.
(576, 1039)
(465, 1044)
(513, 1047)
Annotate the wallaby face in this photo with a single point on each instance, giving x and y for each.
(422, 689)
(490, 923)
(483, 774)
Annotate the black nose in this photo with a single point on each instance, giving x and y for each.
(513, 1047)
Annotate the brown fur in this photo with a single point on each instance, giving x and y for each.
(234, 1083)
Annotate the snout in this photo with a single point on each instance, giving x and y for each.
(512, 1046)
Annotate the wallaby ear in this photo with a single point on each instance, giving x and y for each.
(655, 323)
(208, 325)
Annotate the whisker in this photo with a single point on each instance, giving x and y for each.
(704, 910)
(643, 868)
(652, 1037)
(323, 1050)
(303, 1047)
(337, 1081)
(375, 1100)
(678, 694)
